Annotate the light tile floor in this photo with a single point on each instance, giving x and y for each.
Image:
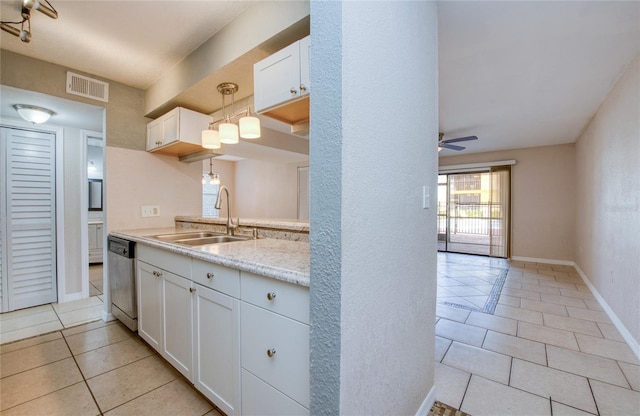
(542, 346)
(92, 369)
(546, 349)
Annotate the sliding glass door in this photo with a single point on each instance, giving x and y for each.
(473, 212)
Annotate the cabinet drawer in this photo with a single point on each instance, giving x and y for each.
(275, 295)
(259, 398)
(217, 277)
(166, 260)
(287, 369)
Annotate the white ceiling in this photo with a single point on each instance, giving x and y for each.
(515, 74)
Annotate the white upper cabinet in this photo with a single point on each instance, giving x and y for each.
(177, 132)
(281, 82)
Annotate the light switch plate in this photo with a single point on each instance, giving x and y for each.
(425, 197)
(150, 210)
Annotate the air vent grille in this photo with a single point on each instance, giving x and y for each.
(87, 87)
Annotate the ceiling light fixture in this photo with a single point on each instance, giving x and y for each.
(248, 127)
(25, 33)
(214, 178)
(32, 113)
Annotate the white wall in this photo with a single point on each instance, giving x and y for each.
(373, 300)
(607, 207)
(265, 190)
(135, 178)
(226, 170)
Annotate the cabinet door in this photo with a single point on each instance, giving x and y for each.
(260, 399)
(277, 78)
(154, 134)
(177, 347)
(170, 124)
(305, 56)
(99, 236)
(93, 243)
(217, 356)
(149, 288)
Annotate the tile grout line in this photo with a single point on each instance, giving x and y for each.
(84, 379)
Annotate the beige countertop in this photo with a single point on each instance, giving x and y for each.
(279, 259)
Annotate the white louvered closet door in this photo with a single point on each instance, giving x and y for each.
(27, 224)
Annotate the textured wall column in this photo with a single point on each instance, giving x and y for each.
(374, 114)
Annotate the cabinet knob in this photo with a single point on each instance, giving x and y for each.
(293, 90)
(271, 352)
(157, 274)
(271, 295)
(192, 289)
(302, 87)
(210, 275)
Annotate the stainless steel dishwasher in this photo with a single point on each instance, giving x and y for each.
(122, 278)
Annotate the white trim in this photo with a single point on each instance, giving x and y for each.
(632, 342)
(427, 403)
(474, 167)
(544, 261)
(84, 218)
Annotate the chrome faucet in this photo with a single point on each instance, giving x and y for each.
(230, 225)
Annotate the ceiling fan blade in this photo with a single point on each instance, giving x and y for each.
(451, 146)
(460, 139)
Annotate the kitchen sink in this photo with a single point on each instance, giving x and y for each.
(212, 240)
(199, 238)
(183, 236)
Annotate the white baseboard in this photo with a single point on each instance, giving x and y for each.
(427, 403)
(632, 342)
(107, 317)
(545, 261)
(71, 297)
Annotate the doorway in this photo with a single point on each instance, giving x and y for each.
(474, 211)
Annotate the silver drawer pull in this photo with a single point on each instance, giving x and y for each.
(192, 289)
(302, 87)
(157, 274)
(293, 90)
(271, 352)
(210, 275)
(271, 295)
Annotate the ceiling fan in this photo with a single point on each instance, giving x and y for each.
(446, 143)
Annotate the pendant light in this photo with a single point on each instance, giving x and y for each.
(214, 178)
(248, 127)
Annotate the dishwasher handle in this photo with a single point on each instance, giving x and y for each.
(121, 247)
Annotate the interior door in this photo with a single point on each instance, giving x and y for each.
(28, 226)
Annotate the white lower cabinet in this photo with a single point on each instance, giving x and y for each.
(149, 292)
(241, 338)
(217, 357)
(259, 398)
(178, 323)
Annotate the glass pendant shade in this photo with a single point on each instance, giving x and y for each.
(228, 133)
(250, 127)
(210, 139)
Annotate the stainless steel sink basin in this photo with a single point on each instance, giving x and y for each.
(212, 240)
(184, 236)
(200, 238)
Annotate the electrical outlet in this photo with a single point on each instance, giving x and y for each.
(150, 210)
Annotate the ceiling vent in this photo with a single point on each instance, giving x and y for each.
(87, 87)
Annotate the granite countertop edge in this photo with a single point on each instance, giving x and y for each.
(291, 273)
